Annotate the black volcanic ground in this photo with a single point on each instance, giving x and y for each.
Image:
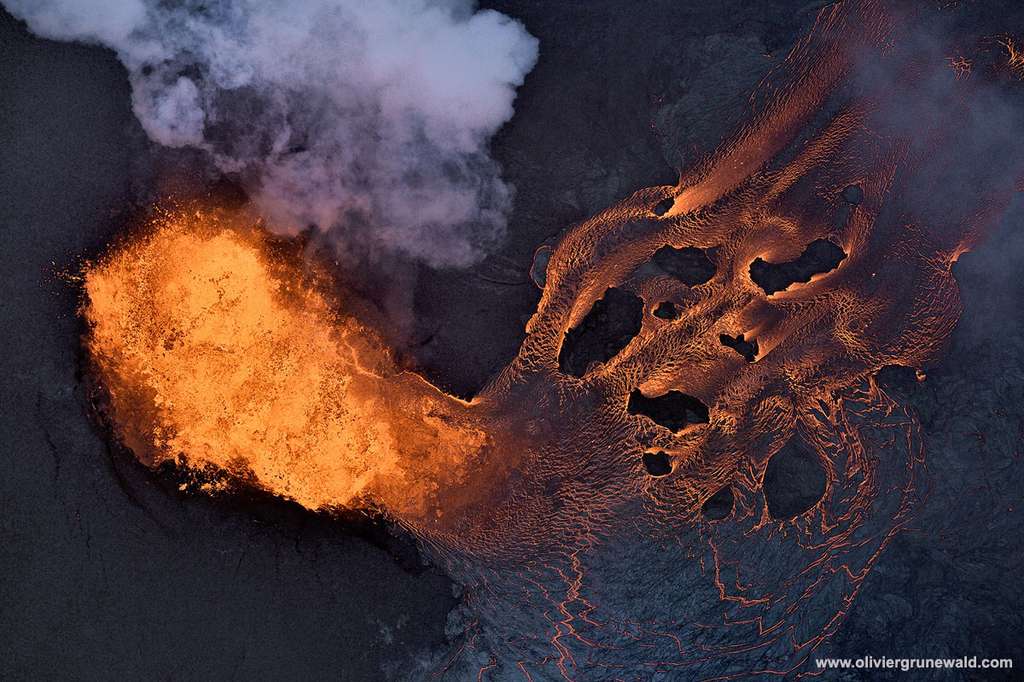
(107, 573)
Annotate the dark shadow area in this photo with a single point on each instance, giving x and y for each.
(690, 265)
(719, 505)
(673, 410)
(657, 463)
(666, 310)
(748, 349)
(898, 378)
(609, 326)
(853, 194)
(663, 206)
(794, 481)
(820, 256)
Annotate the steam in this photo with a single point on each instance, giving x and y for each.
(964, 125)
(368, 120)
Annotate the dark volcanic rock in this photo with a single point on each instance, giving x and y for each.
(609, 326)
(719, 505)
(690, 265)
(899, 377)
(748, 349)
(793, 482)
(853, 194)
(673, 410)
(657, 463)
(667, 310)
(820, 256)
(663, 206)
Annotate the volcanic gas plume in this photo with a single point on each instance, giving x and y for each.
(366, 120)
(806, 254)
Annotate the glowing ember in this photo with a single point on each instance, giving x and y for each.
(214, 353)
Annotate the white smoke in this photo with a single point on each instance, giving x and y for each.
(369, 119)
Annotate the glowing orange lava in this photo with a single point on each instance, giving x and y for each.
(214, 353)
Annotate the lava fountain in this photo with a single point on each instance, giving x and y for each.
(218, 353)
(811, 251)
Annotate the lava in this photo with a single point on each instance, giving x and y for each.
(1014, 56)
(215, 352)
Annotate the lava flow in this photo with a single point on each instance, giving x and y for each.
(218, 354)
(810, 251)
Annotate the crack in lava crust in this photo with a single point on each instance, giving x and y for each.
(577, 561)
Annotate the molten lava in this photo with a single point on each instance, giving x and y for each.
(215, 354)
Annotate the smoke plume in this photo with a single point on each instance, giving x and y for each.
(368, 120)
